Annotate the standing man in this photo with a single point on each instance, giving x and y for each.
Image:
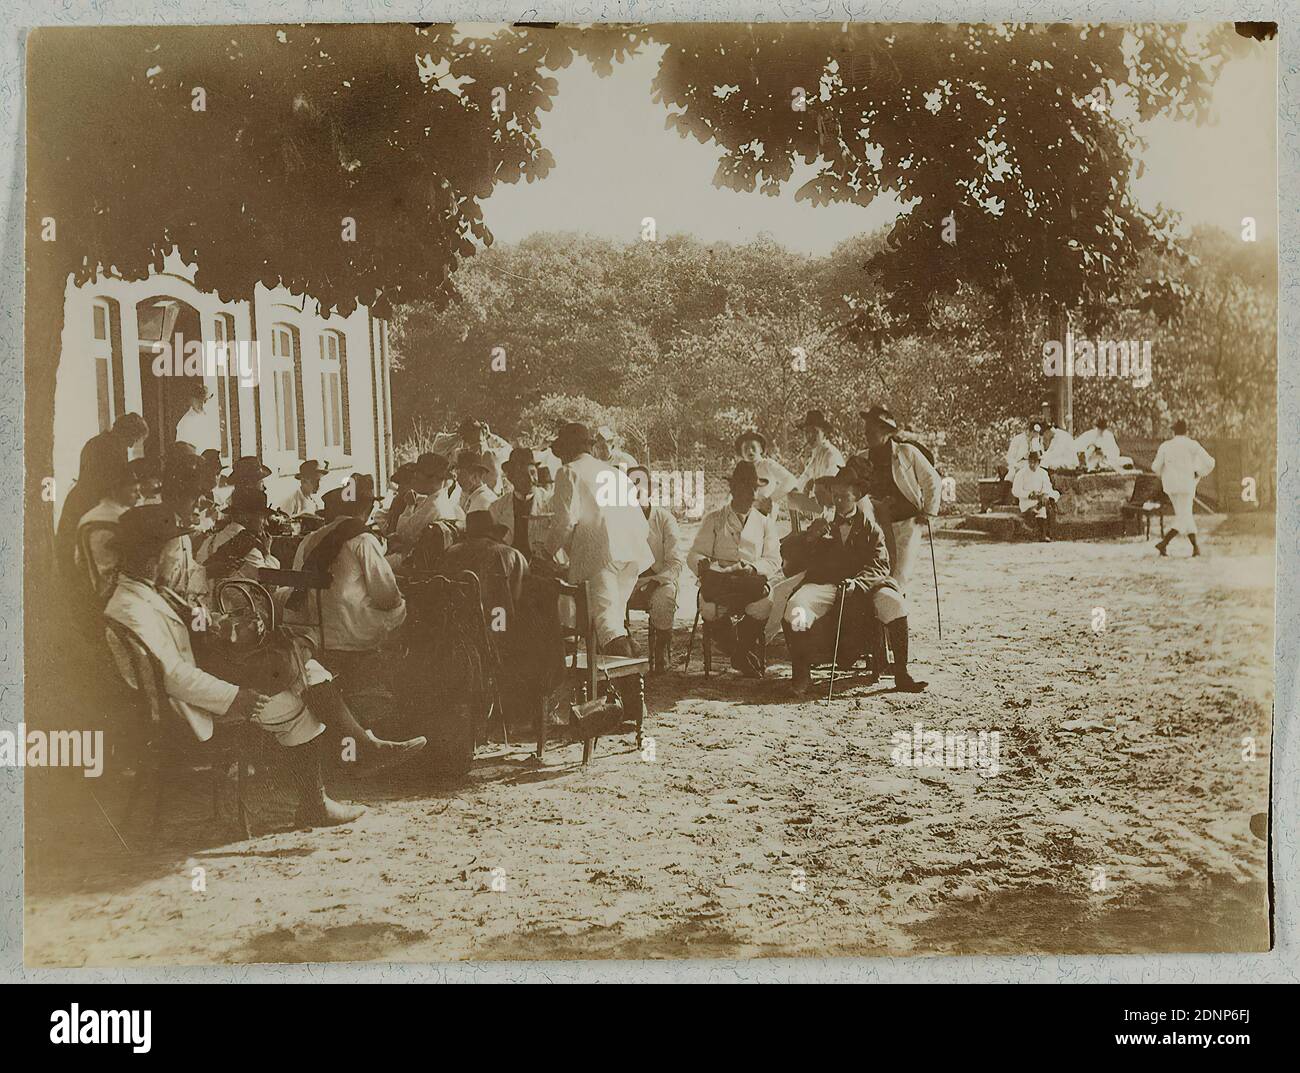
(606, 448)
(656, 588)
(195, 427)
(904, 488)
(428, 479)
(474, 471)
(474, 435)
(526, 511)
(598, 523)
(306, 499)
(1180, 464)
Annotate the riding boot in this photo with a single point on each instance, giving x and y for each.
(372, 754)
(315, 807)
(876, 647)
(662, 641)
(903, 681)
(1164, 543)
(800, 663)
(1195, 548)
(745, 657)
(722, 633)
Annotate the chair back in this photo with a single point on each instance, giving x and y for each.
(582, 633)
(150, 682)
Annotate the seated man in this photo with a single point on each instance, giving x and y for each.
(751, 446)
(1099, 450)
(305, 499)
(656, 588)
(399, 497)
(847, 551)
(179, 569)
(500, 569)
(474, 474)
(1059, 451)
(736, 555)
(96, 553)
(362, 607)
(525, 511)
(241, 546)
(296, 717)
(430, 480)
(1034, 493)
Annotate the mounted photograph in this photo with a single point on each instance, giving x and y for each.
(642, 491)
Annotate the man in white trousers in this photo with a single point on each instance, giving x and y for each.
(597, 521)
(1180, 464)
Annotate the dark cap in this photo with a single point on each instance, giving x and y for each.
(472, 460)
(479, 523)
(572, 435)
(249, 499)
(746, 474)
(814, 419)
(849, 474)
(751, 434)
(431, 465)
(522, 456)
(248, 470)
(359, 488)
(312, 468)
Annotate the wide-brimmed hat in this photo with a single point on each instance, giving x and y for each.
(430, 465)
(751, 434)
(248, 470)
(574, 434)
(746, 474)
(814, 419)
(850, 473)
(359, 488)
(313, 468)
(249, 499)
(148, 526)
(525, 456)
(470, 424)
(879, 415)
(479, 523)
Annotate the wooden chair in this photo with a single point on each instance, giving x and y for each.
(706, 643)
(169, 748)
(640, 602)
(586, 665)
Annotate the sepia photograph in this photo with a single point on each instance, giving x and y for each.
(618, 491)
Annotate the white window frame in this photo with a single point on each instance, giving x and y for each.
(284, 395)
(101, 349)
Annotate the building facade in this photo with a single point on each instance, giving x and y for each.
(319, 385)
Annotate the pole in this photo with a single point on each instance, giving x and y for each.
(844, 592)
(934, 569)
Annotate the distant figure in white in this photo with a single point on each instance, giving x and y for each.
(1099, 450)
(1180, 464)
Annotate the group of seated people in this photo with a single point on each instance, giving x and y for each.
(150, 544)
(1041, 448)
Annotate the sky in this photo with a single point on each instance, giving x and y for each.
(616, 164)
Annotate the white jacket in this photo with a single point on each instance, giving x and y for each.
(756, 542)
(539, 516)
(1180, 463)
(193, 692)
(597, 532)
(915, 477)
(666, 546)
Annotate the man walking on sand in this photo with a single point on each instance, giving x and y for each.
(1180, 464)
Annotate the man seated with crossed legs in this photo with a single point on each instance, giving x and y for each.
(849, 551)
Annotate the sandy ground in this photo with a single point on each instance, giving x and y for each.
(1119, 819)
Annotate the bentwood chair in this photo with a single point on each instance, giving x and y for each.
(168, 751)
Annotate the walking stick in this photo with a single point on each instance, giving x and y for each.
(836, 658)
(935, 570)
